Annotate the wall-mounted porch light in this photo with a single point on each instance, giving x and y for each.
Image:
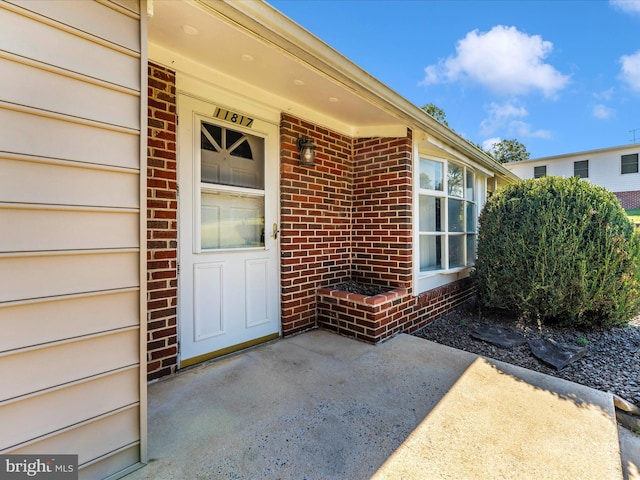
(307, 151)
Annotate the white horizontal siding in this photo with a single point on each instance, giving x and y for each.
(99, 396)
(22, 83)
(59, 318)
(32, 370)
(58, 228)
(116, 461)
(66, 48)
(58, 182)
(24, 277)
(604, 168)
(91, 439)
(91, 17)
(33, 132)
(72, 109)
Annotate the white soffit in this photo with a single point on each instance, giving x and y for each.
(254, 66)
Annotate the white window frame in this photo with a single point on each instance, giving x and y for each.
(427, 280)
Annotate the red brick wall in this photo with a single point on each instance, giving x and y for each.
(374, 319)
(629, 199)
(162, 233)
(315, 223)
(382, 206)
(350, 217)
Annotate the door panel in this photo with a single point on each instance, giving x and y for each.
(229, 266)
(208, 298)
(257, 281)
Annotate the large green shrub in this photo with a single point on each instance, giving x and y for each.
(559, 249)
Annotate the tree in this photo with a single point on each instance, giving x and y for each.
(436, 112)
(509, 151)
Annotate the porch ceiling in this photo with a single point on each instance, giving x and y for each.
(236, 43)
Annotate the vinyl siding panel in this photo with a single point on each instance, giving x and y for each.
(65, 47)
(101, 395)
(71, 216)
(93, 18)
(39, 133)
(55, 228)
(22, 84)
(41, 180)
(37, 369)
(48, 275)
(92, 438)
(59, 318)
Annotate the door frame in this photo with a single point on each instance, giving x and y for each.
(207, 92)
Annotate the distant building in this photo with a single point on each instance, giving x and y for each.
(615, 168)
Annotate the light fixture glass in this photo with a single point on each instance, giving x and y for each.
(307, 151)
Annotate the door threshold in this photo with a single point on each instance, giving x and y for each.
(226, 351)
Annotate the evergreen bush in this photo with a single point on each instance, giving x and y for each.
(559, 250)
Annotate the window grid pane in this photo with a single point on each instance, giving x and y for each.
(430, 214)
(430, 252)
(431, 177)
(456, 215)
(581, 169)
(629, 163)
(471, 250)
(454, 180)
(456, 251)
(539, 172)
(447, 225)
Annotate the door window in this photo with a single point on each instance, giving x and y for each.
(231, 188)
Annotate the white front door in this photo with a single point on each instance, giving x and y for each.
(229, 280)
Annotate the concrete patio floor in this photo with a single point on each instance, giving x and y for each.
(321, 406)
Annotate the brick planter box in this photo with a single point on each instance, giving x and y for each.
(367, 318)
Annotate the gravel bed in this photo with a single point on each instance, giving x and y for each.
(611, 364)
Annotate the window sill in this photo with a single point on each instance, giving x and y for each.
(429, 280)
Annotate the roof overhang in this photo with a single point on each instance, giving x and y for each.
(250, 46)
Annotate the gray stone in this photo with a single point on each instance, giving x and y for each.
(502, 337)
(556, 354)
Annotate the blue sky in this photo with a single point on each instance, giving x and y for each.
(558, 75)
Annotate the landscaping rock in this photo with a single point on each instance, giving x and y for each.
(499, 336)
(556, 354)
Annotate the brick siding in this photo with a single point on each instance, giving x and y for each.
(629, 199)
(377, 318)
(350, 217)
(162, 228)
(382, 206)
(315, 219)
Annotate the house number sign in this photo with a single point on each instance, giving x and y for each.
(233, 117)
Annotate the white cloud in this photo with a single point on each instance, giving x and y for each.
(630, 72)
(489, 143)
(603, 112)
(605, 94)
(507, 117)
(628, 6)
(523, 130)
(500, 116)
(504, 60)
